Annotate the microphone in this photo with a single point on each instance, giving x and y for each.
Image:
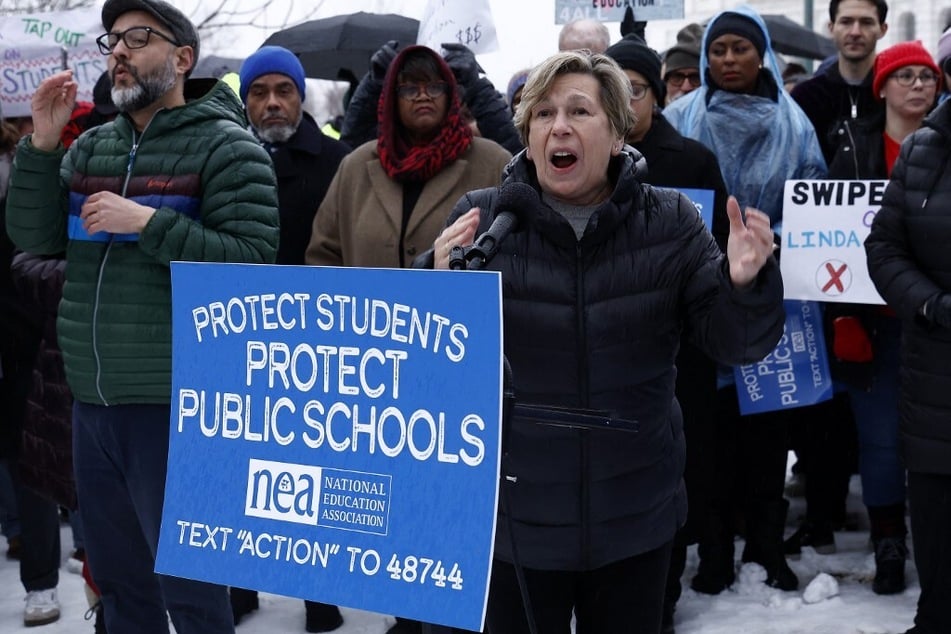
(515, 199)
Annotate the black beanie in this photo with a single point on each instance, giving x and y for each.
(633, 53)
(737, 24)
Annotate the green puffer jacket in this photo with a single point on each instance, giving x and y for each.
(213, 189)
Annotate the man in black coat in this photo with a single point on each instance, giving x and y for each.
(305, 161)
(678, 162)
(844, 90)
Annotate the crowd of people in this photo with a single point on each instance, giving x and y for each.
(616, 297)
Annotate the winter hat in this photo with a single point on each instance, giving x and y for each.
(898, 56)
(686, 52)
(633, 53)
(518, 81)
(271, 59)
(730, 22)
(944, 46)
(181, 28)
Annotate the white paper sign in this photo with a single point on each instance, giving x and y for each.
(469, 23)
(35, 46)
(825, 224)
(613, 10)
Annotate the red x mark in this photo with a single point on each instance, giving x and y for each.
(835, 277)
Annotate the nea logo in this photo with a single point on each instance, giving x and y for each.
(283, 491)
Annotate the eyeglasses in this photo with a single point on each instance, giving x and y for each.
(136, 37)
(908, 77)
(677, 78)
(433, 89)
(638, 91)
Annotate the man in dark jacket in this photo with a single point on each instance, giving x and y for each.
(844, 91)
(305, 160)
(175, 177)
(678, 162)
(909, 262)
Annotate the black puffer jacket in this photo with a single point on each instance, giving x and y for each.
(46, 458)
(910, 263)
(596, 323)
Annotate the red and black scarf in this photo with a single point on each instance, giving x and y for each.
(402, 160)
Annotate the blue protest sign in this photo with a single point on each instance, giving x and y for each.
(335, 435)
(702, 199)
(795, 373)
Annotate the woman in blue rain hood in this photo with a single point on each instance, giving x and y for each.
(741, 112)
(761, 138)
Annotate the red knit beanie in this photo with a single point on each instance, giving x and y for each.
(898, 56)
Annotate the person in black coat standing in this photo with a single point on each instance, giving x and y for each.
(599, 284)
(910, 264)
(305, 161)
(678, 162)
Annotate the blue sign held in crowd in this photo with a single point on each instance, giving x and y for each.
(795, 373)
(335, 435)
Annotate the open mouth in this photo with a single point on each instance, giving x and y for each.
(563, 159)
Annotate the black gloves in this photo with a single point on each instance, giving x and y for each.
(629, 25)
(939, 310)
(462, 62)
(382, 59)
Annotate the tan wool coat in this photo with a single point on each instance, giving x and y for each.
(358, 223)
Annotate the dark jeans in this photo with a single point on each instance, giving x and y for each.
(39, 541)
(929, 499)
(625, 597)
(876, 417)
(120, 455)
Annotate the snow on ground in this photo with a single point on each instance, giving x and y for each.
(835, 597)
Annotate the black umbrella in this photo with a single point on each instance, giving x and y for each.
(341, 46)
(215, 66)
(792, 38)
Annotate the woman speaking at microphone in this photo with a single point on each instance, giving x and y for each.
(599, 279)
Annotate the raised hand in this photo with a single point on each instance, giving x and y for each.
(52, 105)
(750, 243)
(462, 61)
(381, 60)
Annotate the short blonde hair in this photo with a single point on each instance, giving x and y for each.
(615, 88)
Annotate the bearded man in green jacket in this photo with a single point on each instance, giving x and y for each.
(175, 177)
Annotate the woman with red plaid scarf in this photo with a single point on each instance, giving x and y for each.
(391, 196)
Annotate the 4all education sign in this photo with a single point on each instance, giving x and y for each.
(335, 435)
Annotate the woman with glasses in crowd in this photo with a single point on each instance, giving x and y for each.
(391, 196)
